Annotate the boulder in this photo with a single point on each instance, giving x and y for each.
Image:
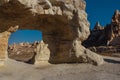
(42, 53)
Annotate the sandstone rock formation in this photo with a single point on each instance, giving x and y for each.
(63, 23)
(4, 36)
(115, 29)
(22, 52)
(29, 52)
(42, 52)
(106, 40)
(98, 27)
(110, 35)
(97, 36)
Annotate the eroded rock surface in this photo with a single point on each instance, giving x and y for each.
(63, 23)
(4, 36)
(24, 52)
(42, 53)
(106, 40)
(109, 35)
(29, 52)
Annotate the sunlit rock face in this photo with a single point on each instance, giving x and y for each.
(115, 29)
(63, 23)
(4, 36)
(42, 53)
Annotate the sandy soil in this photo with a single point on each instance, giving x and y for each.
(14, 70)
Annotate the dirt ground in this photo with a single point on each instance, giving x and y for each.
(14, 70)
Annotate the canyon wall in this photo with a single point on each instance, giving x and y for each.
(63, 23)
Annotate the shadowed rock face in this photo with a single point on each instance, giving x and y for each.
(106, 40)
(109, 35)
(63, 23)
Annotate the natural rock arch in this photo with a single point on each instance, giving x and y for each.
(63, 23)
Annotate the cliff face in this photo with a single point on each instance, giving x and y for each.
(63, 23)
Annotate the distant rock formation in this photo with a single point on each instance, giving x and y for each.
(63, 23)
(109, 35)
(97, 36)
(29, 52)
(22, 51)
(105, 40)
(98, 27)
(115, 29)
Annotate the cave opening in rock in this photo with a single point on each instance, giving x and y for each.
(24, 45)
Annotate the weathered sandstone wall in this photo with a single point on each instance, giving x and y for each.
(63, 23)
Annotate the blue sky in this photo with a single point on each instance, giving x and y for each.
(25, 36)
(97, 10)
(101, 10)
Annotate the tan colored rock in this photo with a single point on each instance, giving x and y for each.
(13, 29)
(42, 53)
(32, 53)
(64, 25)
(4, 36)
(23, 52)
(98, 26)
(3, 1)
(115, 29)
(93, 58)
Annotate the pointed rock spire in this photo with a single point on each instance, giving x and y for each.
(97, 23)
(98, 26)
(116, 12)
(115, 17)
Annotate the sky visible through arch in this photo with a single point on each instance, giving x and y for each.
(25, 36)
(97, 10)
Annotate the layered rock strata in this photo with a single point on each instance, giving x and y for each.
(63, 23)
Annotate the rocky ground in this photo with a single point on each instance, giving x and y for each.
(14, 70)
(113, 51)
